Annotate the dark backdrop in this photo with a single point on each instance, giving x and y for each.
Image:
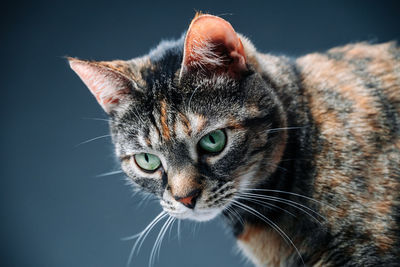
(54, 210)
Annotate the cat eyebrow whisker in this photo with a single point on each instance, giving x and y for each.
(126, 124)
(106, 120)
(191, 96)
(96, 119)
(109, 173)
(270, 223)
(93, 139)
(137, 115)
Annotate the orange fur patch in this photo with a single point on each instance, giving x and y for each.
(164, 118)
(263, 246)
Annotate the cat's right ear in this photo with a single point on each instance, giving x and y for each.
(213, 47)
(105, 80)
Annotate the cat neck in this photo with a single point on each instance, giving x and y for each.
(288, 175)
(283, 75)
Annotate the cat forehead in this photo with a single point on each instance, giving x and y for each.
(183, 129)
(168, 125)
(164, 128)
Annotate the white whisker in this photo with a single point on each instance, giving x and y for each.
(285, 128)
(231, 211)
(158, 240)
(146, 199)
(191, 96)
(288, 202)
(93, 139)
(109, 173)
(238, 214)
(110, 121)
(179, 230)
(170, 225)
(142, 235)
(138, 116)
(291, 193)
(270, 223)
(170, 229)
(265, 204)
(97, 119)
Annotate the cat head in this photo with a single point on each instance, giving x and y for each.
(190, 121)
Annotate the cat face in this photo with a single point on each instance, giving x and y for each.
(191, 121)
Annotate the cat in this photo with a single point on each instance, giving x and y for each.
(300, 156)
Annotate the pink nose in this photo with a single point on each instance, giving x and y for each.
(190, 199)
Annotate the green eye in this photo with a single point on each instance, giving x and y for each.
(148, 162)
(213, 142)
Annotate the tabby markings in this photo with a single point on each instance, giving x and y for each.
(164, 121)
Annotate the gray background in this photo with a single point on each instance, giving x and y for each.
(54, 210)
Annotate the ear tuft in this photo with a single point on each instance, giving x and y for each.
(108, 85)
(212, 46)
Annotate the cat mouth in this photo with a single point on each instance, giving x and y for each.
(199, 215)
(207, 207)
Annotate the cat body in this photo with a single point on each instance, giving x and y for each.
(349, 99)
(300, 156)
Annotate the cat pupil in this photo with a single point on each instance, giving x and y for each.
(211, 139)
(146, 157)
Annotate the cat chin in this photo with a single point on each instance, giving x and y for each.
(197, 215)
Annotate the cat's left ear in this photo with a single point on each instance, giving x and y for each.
(213, 47)
(105, 80)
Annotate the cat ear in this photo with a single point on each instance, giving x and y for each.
(105, 80)
(212, 46)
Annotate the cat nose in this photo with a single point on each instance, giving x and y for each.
(190, 199)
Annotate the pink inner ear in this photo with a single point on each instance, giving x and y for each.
(212, 45)
(108, 86)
